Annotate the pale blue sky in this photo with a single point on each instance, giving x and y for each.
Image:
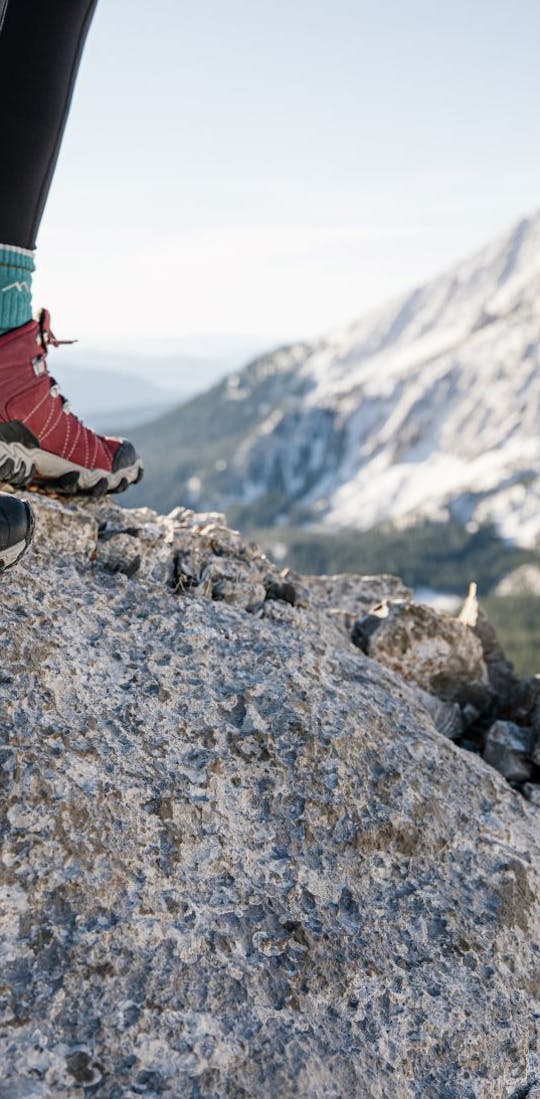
(274, 168)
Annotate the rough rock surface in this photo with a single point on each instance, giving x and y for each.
(237, 857)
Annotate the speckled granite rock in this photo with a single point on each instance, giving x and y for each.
(237, 858)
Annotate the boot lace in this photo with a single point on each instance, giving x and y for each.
(47, 339)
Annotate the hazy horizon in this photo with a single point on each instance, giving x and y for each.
(279, 171)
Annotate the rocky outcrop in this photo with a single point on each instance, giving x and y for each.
(440, 654)
(237, 856)
(463, 678)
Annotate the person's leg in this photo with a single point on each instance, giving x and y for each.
(41, 43)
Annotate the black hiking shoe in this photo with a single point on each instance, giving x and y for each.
(16, 529)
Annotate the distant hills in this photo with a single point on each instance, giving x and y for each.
(115, 390)
(111, 400)
(425, 409)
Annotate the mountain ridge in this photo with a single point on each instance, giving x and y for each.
(428, 407)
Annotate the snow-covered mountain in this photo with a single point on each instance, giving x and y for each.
(427, 407)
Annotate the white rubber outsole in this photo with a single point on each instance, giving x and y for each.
(20, 464)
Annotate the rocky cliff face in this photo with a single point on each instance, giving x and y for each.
(238, 857)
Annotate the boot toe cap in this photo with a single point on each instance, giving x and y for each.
(125, 456)
(16, 522)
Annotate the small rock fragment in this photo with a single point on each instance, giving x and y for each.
(508, 748)
(532, 793)
(364, 629)
(469, 715)
(526, 703)
(282, 590)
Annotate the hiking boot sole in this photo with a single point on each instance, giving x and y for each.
(20, 465)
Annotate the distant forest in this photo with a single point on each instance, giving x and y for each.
(442, 556)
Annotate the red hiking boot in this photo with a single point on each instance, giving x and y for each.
(41, 440)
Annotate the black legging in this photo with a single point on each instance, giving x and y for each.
(41, 42)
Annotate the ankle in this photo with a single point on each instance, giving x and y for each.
(16, 269)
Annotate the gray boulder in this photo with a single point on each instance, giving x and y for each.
(237, 857)
(440, 654)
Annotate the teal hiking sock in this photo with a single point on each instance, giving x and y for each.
(16, 268)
